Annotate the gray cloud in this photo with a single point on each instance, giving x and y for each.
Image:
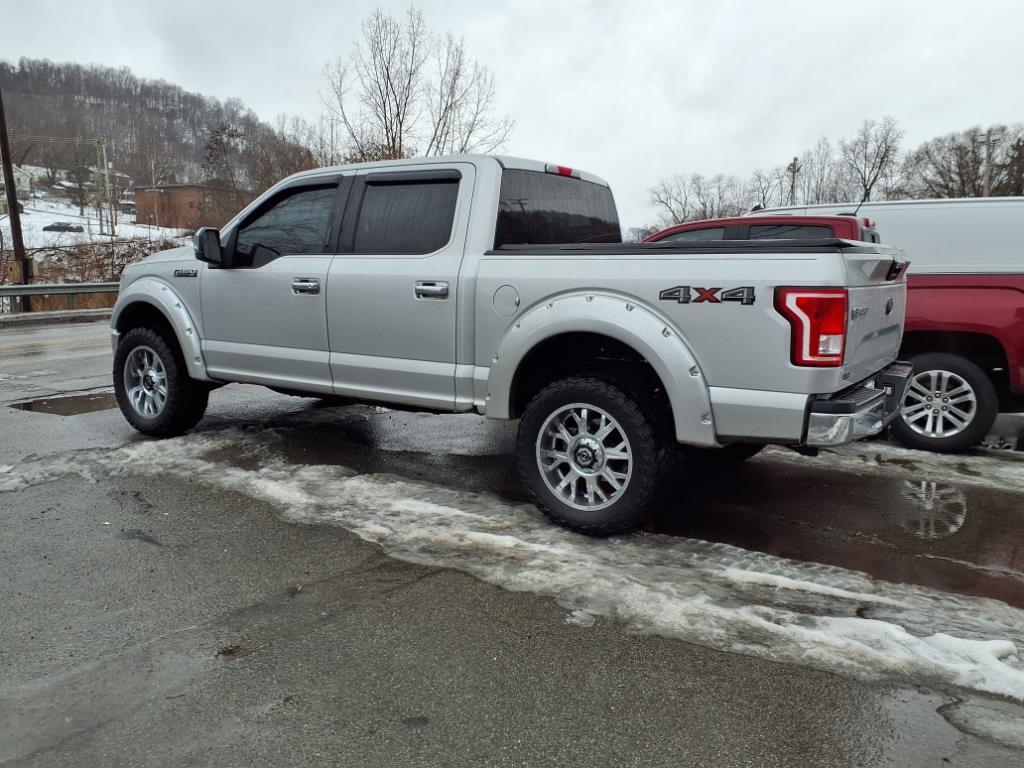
(630, 91)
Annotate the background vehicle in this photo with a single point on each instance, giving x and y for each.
(770, 228)
(63, 226)
(415, 283)
(965, 312)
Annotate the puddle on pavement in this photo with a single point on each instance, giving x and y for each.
(936, 511)
(70, 406)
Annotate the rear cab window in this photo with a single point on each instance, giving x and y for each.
(548, 209)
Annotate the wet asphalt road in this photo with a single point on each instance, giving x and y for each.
(153, 622)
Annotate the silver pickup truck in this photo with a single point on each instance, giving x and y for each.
(501, 286)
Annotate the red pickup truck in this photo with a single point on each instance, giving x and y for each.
(964, 331)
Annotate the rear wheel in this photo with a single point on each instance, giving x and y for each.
(590, 455)
(152, 387)
(950, 405)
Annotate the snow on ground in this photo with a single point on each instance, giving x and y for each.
(714, 594)
(40, 213)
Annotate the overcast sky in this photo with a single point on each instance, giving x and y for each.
(628, 90)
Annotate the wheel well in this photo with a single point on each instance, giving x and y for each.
(141, 314)
(571, 354)
(981, 349)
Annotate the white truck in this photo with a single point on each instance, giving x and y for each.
(501, 286)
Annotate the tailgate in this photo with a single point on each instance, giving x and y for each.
(877, 304)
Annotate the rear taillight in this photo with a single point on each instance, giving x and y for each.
(818, 319)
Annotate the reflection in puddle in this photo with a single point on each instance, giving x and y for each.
(936, 511)
(70, 406)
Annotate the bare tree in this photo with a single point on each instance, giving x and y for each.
(403, 91)
(671, 197)
(696, 197)
(460, 104)
(767, 188)
(971, 163)
(872, 153)
(820, 175)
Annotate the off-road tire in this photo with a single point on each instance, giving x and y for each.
(984, 414)
(186, 398)
(637, 417)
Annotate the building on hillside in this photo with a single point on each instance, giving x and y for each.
(126, 202)
(64, 189)
(182, 206)
(22, 182)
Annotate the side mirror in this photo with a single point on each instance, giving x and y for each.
(207, 245)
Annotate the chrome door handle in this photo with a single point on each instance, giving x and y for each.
(428, 289)
(307, 285)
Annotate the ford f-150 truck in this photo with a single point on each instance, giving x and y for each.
(501, 286)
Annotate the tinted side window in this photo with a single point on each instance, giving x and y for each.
(544, 208)
(789, 232)
(410, 217)
(299, 223)
(695, 235)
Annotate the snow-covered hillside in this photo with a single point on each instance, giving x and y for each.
(40, 213)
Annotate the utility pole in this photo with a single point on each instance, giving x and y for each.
(112, 208)
(793, 169)
(12, 205)
(990, 140)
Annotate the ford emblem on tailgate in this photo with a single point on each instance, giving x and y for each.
(888, 306)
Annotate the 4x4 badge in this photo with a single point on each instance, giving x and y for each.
(685, 294)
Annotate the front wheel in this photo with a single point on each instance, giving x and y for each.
(590, 456)
(950, 405)
(152, 387)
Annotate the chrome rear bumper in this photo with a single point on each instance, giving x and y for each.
(861, 411)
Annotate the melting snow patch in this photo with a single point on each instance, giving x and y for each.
(582, 618)
(718, 595)
(998, 721)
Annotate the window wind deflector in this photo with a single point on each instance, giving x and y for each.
(450, 175)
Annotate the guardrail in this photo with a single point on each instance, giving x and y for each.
(57, 289)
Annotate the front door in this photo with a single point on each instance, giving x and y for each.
(393, 298)
(264, 312)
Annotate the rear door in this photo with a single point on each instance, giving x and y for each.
(392, 303)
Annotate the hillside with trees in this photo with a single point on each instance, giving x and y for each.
(155, 132)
